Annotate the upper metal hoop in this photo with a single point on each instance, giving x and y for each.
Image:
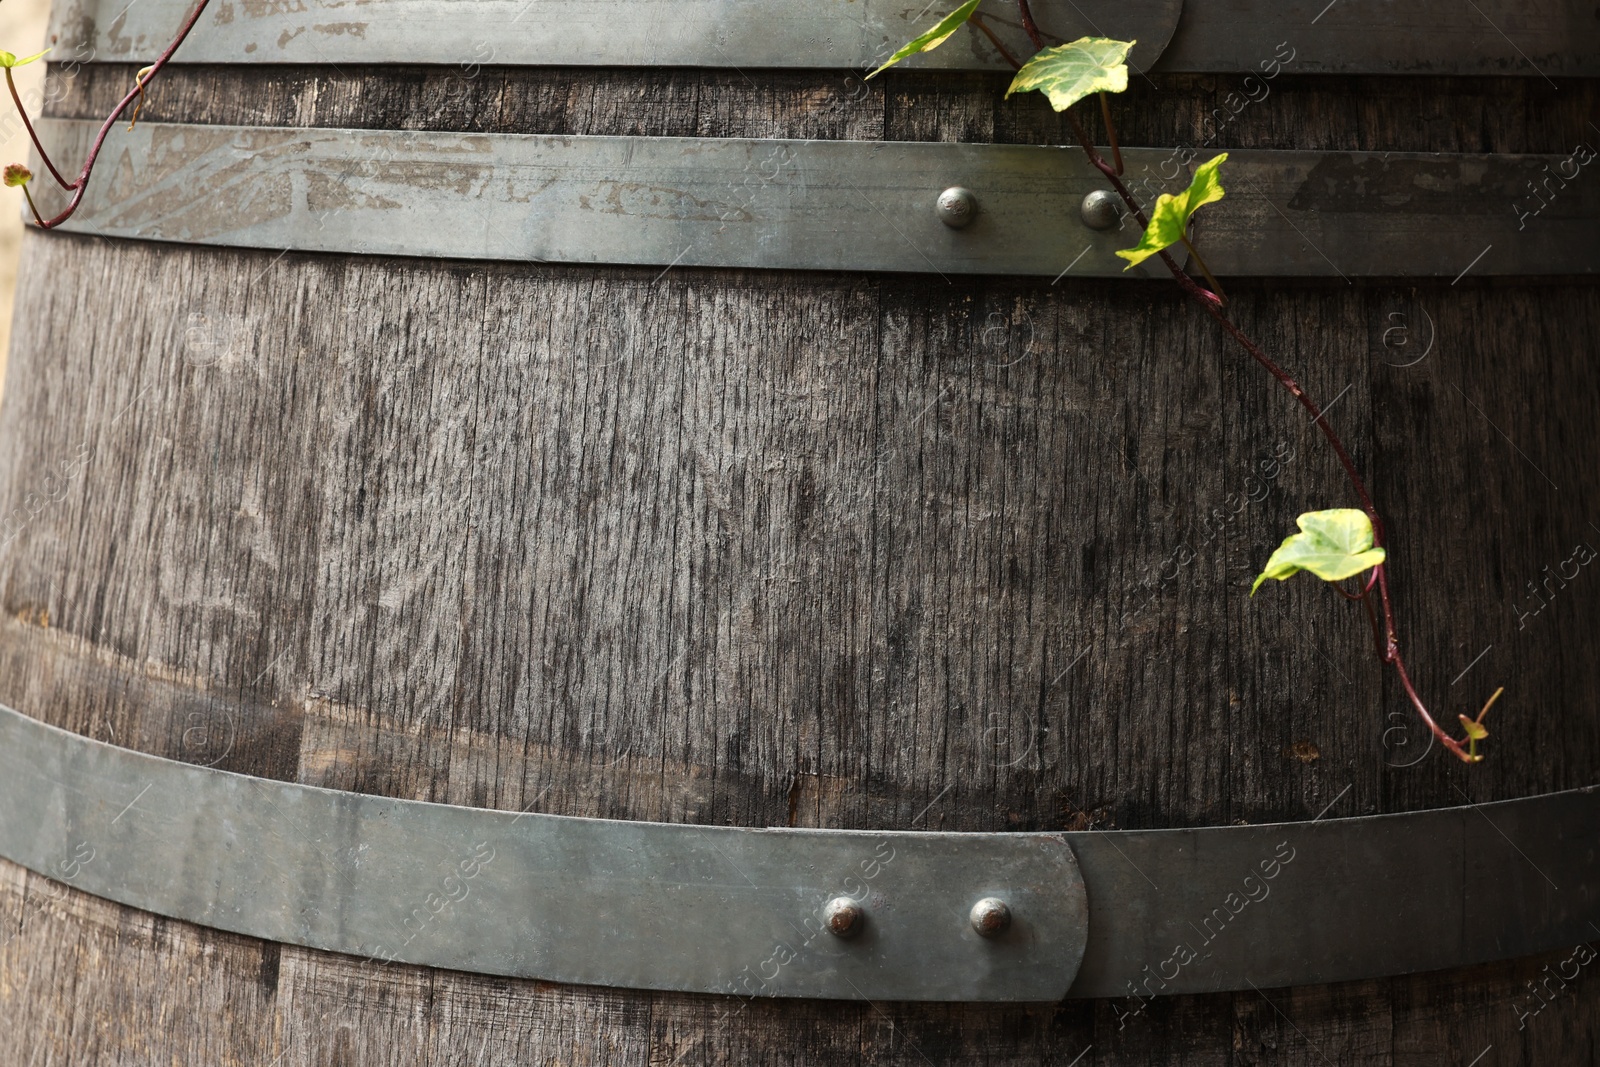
(824, 205)
(1549, 38)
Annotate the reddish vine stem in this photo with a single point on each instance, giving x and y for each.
(1390, 647)
(1005, 53)
(1116, 149)
(1028, 25)
(77, 188)
(1365, 590)
(12, 85)
(1200, 261)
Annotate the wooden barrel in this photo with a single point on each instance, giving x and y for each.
(839, 549)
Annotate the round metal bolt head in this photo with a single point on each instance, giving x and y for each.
(991, 916)
(844, 917)
(1101, 210)
(957, 207)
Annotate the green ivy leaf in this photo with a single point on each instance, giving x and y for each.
(934, 37)
(7, 59)
(16, 174)
(1475, 730)
(1333, 545)
(1071, 72)
(1169, 222)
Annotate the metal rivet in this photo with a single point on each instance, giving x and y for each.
(991, 916)
(957, 207)
(1101, 210)
(844, 917)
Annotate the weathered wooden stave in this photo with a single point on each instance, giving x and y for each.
(1129, 376)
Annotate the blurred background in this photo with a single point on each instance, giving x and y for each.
(22, 28)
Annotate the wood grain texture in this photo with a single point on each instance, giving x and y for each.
(772, 548)
(1289, 111)
(757, 548)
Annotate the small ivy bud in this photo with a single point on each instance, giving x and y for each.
(16, 174)
(9, 59)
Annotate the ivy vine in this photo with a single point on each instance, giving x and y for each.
(1336, 544)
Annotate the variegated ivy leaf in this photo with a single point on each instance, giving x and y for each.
(7, 59)
(1333, 545)
(1071, 72)
(1169, 221)
(934, 37)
